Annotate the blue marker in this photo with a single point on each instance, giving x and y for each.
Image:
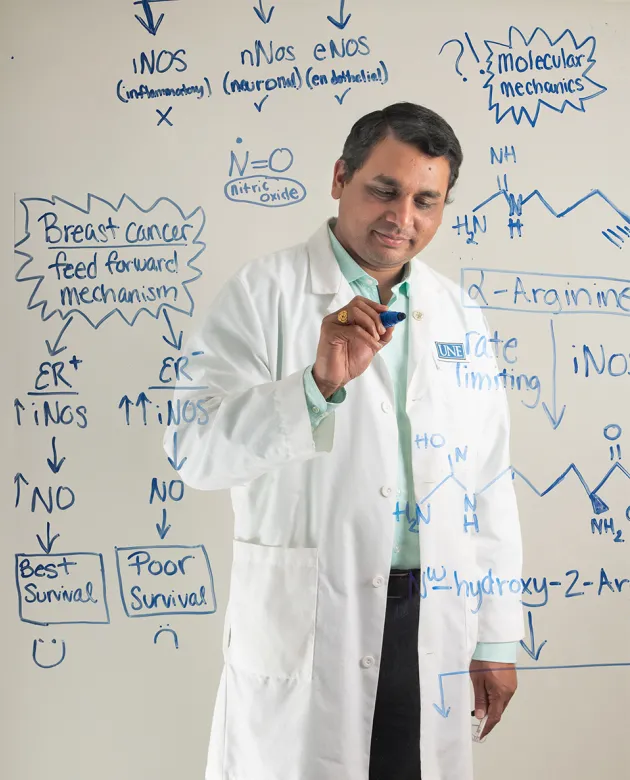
(390, 318)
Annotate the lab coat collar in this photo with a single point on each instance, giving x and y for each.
(326, 276)
(327, 279)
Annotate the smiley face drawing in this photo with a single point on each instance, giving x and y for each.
(56, 663)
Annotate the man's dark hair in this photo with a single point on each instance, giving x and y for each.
(409, 123)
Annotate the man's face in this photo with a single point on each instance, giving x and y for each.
(392, 207)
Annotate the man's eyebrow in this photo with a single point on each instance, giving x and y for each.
(391, 182)
(388, 180)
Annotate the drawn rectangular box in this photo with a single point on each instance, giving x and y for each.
(61, 588)
(165, 580)
(541, 293)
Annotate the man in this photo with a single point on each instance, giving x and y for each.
(376, 531)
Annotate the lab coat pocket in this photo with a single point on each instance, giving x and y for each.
(273, 604)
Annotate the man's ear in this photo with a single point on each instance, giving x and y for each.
(339, 179)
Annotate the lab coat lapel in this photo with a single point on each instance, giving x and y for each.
(325, 274)
(425, 313)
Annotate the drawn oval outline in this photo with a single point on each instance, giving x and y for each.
(278, 183)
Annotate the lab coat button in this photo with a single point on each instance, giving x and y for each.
(386, 490)
(417, 315)
(378, 581)
(367, 661)
(386, 407)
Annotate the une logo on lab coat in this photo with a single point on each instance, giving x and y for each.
(450, 351)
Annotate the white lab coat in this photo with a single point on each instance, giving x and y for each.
(314, 527)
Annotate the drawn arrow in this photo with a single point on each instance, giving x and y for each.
(56, 349)
(173, 461)
(55, 464)
(554, 418)
(260, 13)
(18, 479)
(18, 405)
(530, 647)
(444, 713)
(151, 26)
(174, 341)
(142, 401)
(442, 709)
(127, 403)
(341, 22)
(162, 528)
(47, 545)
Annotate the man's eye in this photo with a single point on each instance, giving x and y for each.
(382, 193)
(423, 204)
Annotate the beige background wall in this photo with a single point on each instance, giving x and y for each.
(122, 703)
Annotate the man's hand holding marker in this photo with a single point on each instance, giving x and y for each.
(349, 339)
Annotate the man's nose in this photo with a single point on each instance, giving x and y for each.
(402, 212)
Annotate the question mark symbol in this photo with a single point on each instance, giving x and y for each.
(459, 56)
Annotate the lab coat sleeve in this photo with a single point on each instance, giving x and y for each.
(248, 422)
(501, 652)
(318, 406)
(498, 542)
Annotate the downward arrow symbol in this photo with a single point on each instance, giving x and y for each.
(162, 528)
(55, 464)
(530, 648)
(554, 418)
(260, 13)
(174, 341)
(341, 22)
(55, 349)
(47, 545)
(151, 26)
(173, 461)
(441, 708)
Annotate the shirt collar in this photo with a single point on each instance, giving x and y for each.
(353, 271)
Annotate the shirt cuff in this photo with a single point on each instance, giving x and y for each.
(318, 406)
(501, 652)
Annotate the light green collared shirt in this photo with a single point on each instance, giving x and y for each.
(406, 515)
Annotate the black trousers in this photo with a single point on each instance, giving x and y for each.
(395, 749)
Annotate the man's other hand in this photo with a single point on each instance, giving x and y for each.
(494, 685)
